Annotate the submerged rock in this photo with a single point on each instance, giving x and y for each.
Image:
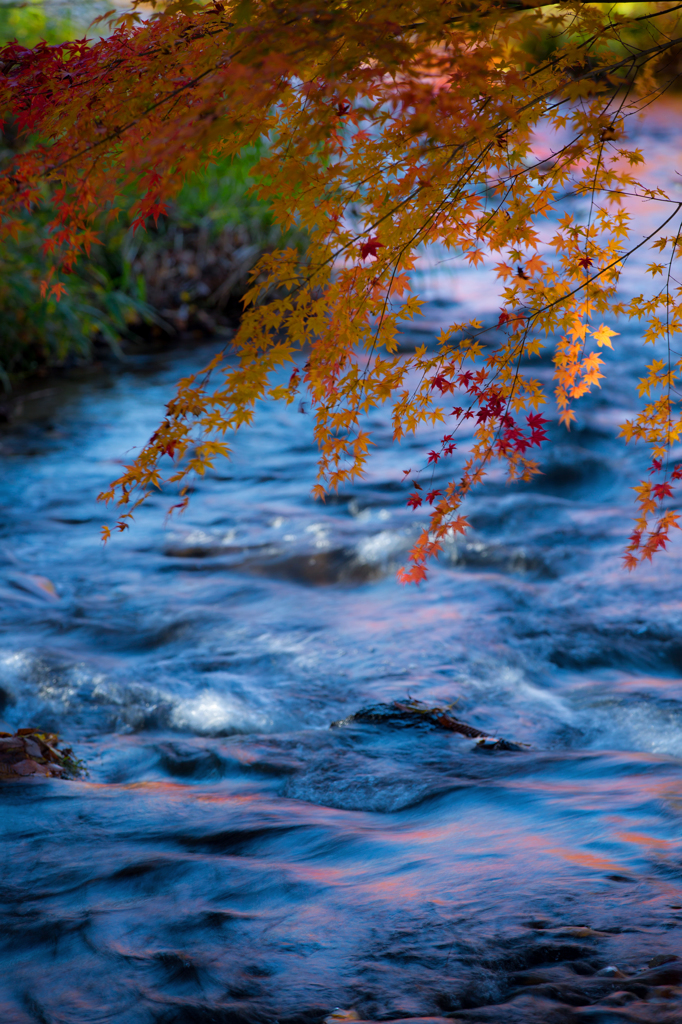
(402, 713)
(31, 752)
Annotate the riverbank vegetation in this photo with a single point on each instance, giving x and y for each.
(389, 126)
(180, 279)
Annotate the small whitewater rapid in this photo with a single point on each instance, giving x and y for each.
(233, 859)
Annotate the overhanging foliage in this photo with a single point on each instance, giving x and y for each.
(423, 119)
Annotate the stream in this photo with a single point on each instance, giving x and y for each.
(231, 858)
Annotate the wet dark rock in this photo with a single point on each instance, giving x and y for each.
(607, 990)
(572, 470)
(490, 743)
(662, 958)
(619, 998)
(666, 975)
(187, 762)
(525, 1009)
(478, 554)
(6, 699)
(410, 1020)
(316, 569)
(410, 713)
(583, 968)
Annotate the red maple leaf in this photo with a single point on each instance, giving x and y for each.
(662, 491)
(585, 262)
(414, 500)
(431, 495)
(414, 575)
(369, 248)
(434, 456)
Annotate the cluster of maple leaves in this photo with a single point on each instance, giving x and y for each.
(391, 125)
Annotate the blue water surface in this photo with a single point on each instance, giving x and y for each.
(233, 859)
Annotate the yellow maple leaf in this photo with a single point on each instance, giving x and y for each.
(603, 336)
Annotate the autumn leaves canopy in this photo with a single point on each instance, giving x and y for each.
(390, 125)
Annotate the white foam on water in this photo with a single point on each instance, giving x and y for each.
(382, 546)
(634, 722)
(213, 713)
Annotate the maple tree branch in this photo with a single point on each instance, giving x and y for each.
(116, 134)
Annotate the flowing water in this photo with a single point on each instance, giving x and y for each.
(233, 859)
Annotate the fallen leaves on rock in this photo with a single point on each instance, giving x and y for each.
(410, 712)
(30, 752)
(340, 1016)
